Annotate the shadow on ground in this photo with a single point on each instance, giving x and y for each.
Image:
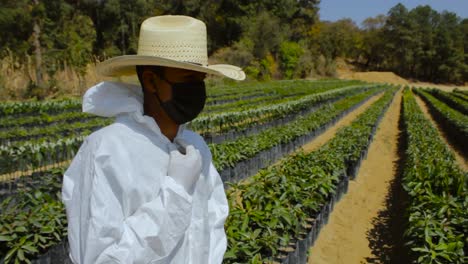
(386, 237)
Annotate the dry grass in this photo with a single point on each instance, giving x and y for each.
(16, 77)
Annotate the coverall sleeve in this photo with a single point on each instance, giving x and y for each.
(98, 230)
(218, 210)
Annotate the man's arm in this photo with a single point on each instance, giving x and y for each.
(218, 211)
(98, 230)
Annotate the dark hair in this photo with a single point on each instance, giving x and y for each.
(141, 68)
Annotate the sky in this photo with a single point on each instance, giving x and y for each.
(359, 10)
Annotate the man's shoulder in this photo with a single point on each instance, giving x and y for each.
(108, 133)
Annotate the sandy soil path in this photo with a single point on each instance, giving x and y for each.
(462, 162)
(347, 71)
(347, 236)
(17, 174)
(346, 120)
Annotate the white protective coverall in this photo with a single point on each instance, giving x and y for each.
(121, 205)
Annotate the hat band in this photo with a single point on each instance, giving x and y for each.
(189, 55)
(198, 64)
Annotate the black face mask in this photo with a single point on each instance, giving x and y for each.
(188, 100)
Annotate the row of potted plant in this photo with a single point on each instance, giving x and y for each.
(273, 210)
(451, 100)
(36, 221)
(438, 190)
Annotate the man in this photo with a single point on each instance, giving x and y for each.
(144, 189)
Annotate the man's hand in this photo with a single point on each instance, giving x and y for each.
(185, 169)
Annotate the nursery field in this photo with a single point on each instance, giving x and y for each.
(328, 171)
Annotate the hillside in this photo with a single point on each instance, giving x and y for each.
(346, 71)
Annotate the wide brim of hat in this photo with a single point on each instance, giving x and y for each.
(125, 65)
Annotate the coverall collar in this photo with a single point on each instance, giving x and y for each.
(151, 124)
(122, 100)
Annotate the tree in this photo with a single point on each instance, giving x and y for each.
(265, 34)
(449, 50)
(425, 20)
(399, 43)
(373, 42)
(420, 43)
(464, 30)
(336, 39)
(38, 14)
(16, 25)
(290, 53)
(303, 19)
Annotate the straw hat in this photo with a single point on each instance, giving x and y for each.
(171, 41)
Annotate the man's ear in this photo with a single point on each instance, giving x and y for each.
(149, 80)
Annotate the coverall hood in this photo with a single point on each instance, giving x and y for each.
(109, 99)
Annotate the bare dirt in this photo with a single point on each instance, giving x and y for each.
(379, 77)
(352, 234)
(18, 174)
(346, 71)
(345, 121)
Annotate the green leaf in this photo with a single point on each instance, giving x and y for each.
(20, 254)
(30, 248)
(21, 229)
(10, 253)
(420, 249)
(5, 238)
(441, 247)
(229, 255)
